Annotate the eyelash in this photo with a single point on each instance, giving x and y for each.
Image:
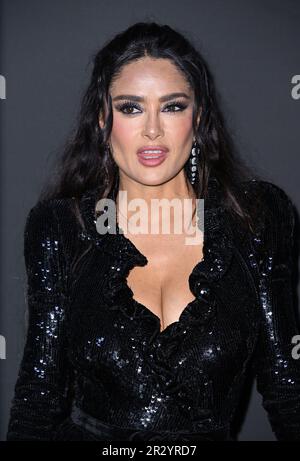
(129, 105)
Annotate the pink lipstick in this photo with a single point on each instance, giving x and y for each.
(152, 155)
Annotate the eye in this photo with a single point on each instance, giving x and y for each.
(176, 104)
(127, 106)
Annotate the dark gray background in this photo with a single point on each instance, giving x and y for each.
(252, 48)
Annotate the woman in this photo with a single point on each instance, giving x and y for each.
(111, 353)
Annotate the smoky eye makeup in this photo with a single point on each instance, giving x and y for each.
(171, 107)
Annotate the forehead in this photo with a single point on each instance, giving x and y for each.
(148, 74)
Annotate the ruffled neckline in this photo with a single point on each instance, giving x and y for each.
(199, 316)
(217, 255)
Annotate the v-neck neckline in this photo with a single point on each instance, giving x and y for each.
(217, 253)
(143, 260)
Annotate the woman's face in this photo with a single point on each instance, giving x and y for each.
(151, 121)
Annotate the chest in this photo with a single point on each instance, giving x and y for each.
(107, 333)
(162, 285)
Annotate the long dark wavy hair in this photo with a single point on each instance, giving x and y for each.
(86, 163)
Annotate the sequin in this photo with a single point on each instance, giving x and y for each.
(96, 365)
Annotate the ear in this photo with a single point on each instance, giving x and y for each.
(199, 116)
(101, 121)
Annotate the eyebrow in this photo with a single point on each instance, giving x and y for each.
(164, 98)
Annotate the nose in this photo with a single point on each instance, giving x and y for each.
(153, 128)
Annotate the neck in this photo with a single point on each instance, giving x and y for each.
(174, 189)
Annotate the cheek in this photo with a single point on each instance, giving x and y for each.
(183, 130)
(121, 132)
(181, 125)
(175, 127)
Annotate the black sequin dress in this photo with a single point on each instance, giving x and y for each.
(96, 365)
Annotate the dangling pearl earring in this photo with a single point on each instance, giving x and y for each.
(193, 162)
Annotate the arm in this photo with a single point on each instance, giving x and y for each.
(277, 372)
(41, 393)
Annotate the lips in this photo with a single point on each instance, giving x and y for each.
(152, 151)
(152, 155)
